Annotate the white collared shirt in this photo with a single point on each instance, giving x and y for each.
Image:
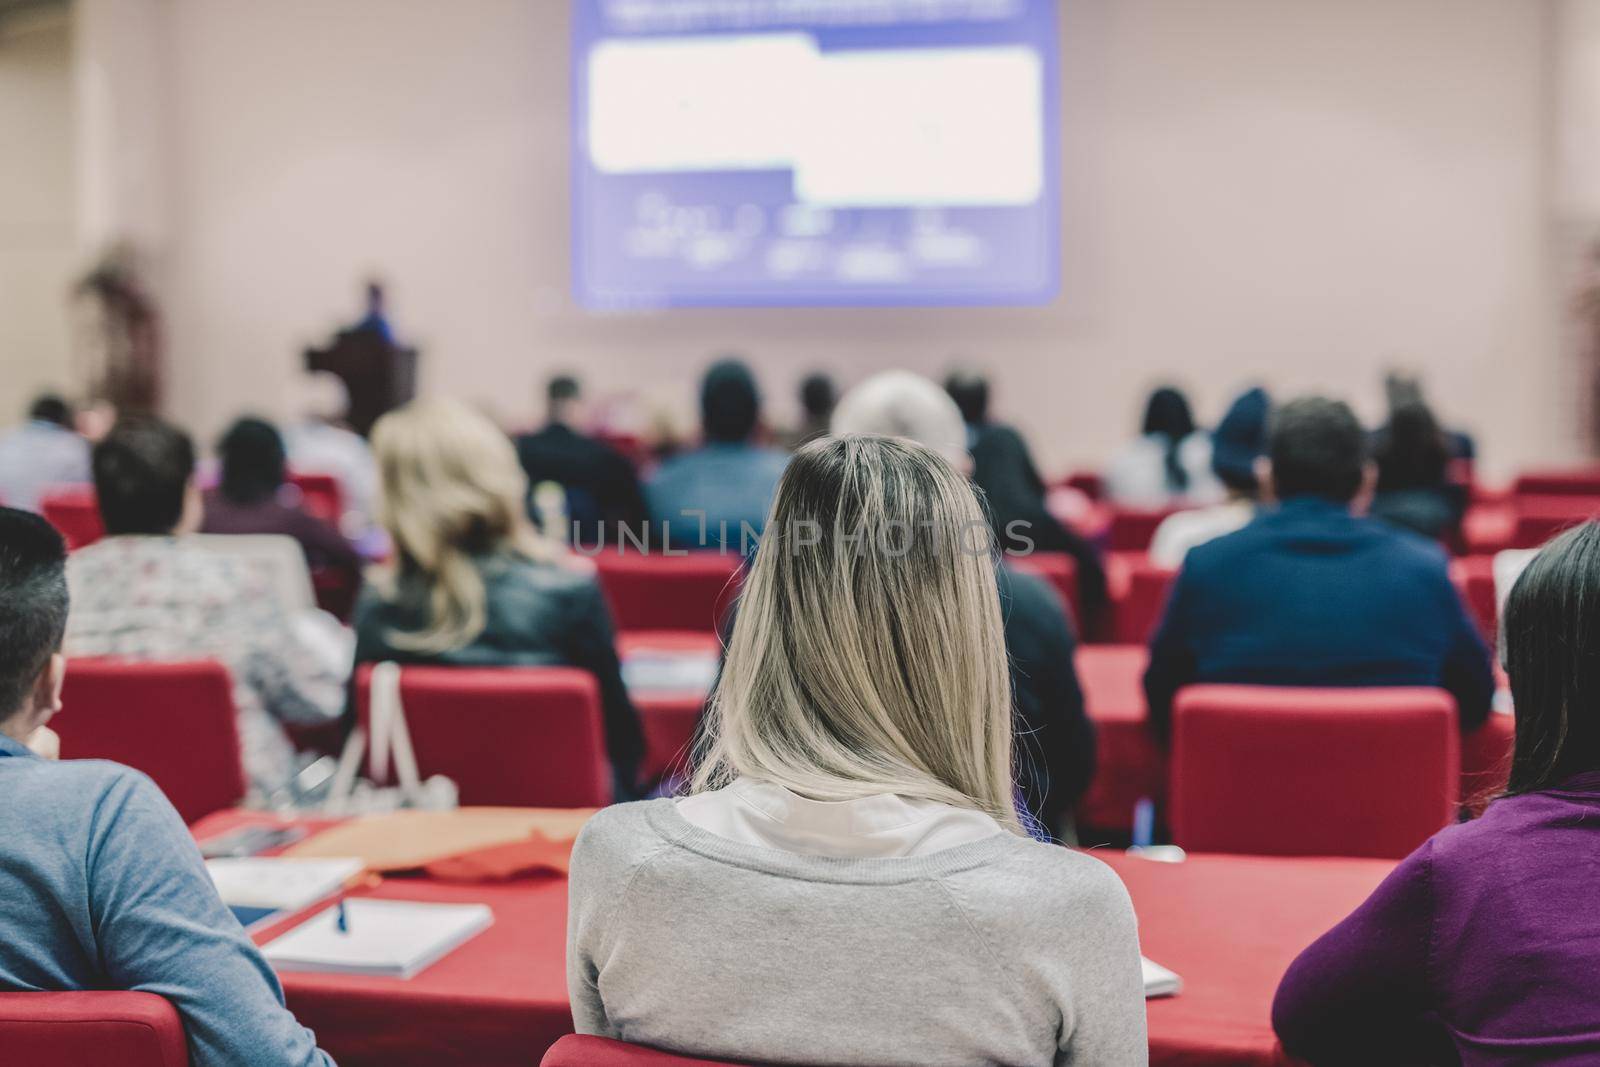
(761, 813)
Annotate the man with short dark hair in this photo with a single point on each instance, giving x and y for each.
(1312, 594)
(704, 498)
(147, 593)
(44, 452)
(602, 488)
(101, 887)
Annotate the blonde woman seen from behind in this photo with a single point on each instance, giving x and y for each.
(472, 584)
(848, 881)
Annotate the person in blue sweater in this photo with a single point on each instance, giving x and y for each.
(101, 886)
(1313, 594)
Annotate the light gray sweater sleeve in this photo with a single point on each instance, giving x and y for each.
(1102, 975)
(602, 867)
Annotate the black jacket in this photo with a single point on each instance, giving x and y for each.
(602, 486)
(539, 614)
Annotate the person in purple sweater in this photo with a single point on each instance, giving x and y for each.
(1483, 946)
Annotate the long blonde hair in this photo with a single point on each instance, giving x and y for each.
(868, 655)
(452, 494)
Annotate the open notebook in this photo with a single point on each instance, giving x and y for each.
(385, 938)
(260, 889)
(1158, 981)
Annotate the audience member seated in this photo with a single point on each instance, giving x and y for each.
(1170, 464)
(1003, 468)
(1480, 947)
(101, 886)
(1311, 594)
(247, 500)
(817, 399)
(849, 877)
(602, 488)
(472, 584)
(146, 593)
(709, 497)
(44, 452)
(1414, 488)
(1238, 441)
(321, 442)
(1055, 738)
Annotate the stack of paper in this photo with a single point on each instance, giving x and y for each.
(1158, 981)
(259, 889)
(386, 938)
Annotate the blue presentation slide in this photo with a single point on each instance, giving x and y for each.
(814, 152)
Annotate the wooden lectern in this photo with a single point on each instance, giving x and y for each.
(379, 374)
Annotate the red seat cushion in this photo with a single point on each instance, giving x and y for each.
(508, 736)
(580, 1050)
(1057, 568)
(98, 1029)
(649, 591)
(174, 721)
(1306, 772)
(76, 513)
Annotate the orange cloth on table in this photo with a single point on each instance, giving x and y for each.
(537, 854)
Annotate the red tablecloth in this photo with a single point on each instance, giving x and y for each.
(1229, 926)
(497, 1001)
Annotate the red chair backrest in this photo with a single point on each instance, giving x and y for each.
(1584, 481)
(1473, 577)
(176, 722)
(651, 591)
(98, 1029)
(1137, 612)
(1132, 529)
(580, 1050)
(509, 736)
(75, 512)
(1089, 483)
(1275, 771)
(321, 496)
(1540, 518)
(1057, 568)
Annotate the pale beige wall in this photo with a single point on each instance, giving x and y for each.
(37, 239)
(1295, 192)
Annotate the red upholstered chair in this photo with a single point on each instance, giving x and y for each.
(176, 722)
(579, 1050)
(1089, 483)
(508, 736)
(74, 511)
(99, 1029)
(320, 495)
(1473, 577)
(1312, 772)
(650, 591)
(1582, 481)
(1057, 568)
(1539, 518)
(1139, 598)
(1132, 529)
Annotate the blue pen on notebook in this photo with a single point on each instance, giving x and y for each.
(341, 921)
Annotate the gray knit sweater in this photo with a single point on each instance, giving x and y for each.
(1002, 951)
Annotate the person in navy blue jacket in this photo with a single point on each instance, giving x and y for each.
(1312, 594)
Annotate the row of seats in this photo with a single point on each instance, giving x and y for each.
(1344, 772)
(120, 1029)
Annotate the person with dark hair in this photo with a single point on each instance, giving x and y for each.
(44, 452)
(602, 488)
(147, 592)
(1414, 489)
(1479, 947)
(101, 886)
(1239, 441)
(818, 395)
(717, 495)
(1311, 594)
(1169, 464)
(249, 499)
(1002, 466)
